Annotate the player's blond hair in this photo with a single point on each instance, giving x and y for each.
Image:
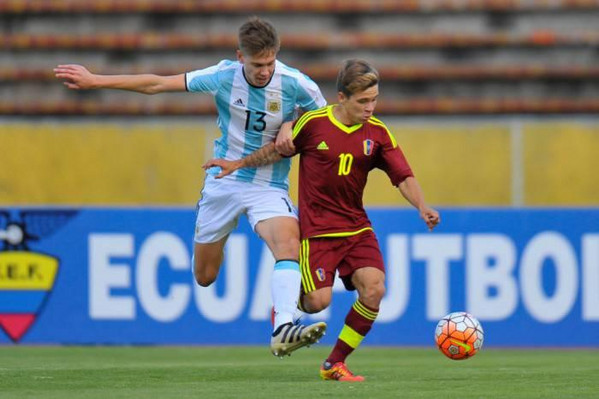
(355, 76)
(257, 36)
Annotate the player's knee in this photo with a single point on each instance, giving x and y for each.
(373, 294)
(294, 246)
(204, 282)
(287, 248)
(203, 277)
(315, 303)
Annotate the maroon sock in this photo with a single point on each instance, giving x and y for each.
(358, 322)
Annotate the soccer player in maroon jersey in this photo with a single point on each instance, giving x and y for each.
(339, 145)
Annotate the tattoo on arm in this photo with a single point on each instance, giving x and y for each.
(266, 155)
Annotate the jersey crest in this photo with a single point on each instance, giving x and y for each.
(368, 146)
(274, 106)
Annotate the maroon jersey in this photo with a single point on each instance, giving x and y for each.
(334, 165)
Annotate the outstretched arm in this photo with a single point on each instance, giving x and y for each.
(78, 77)
(411, 191)
(264, 156)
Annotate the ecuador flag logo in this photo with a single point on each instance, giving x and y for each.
(26, 279)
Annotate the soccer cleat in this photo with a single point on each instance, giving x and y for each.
(338, 372)
(289, 337)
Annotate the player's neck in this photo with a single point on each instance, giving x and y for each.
(340, 114)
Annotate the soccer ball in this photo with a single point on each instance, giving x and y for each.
(459, 335)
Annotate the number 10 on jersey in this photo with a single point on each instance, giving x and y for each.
(345, 161)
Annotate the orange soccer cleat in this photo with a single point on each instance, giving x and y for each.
(338, 372)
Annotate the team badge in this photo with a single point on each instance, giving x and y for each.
(320, 274)
(274, 106)
(368, 146)
(26, 277)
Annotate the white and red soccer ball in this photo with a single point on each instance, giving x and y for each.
(459, 335)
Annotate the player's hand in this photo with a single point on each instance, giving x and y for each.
(76, 76)
(284, 142)
(227, 167)
(430, 217)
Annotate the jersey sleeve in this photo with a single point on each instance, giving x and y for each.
(392, 160)
(299, 131)
(205, 80)
(309, 96)
(298, 139)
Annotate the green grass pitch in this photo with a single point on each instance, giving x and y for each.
(252, 372)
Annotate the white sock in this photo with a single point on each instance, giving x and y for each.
(285, 288)
(297, 315)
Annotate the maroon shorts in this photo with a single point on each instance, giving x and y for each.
(320, 258)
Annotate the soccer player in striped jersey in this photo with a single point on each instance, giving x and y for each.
(254, 95)
(338, 146)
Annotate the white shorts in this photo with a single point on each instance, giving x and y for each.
(224, 200)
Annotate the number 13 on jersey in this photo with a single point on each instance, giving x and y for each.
(345, 161)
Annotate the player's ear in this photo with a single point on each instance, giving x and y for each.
(239, 56)
(341, 98)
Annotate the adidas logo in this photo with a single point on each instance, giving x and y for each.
(322, 146)
(238, 102)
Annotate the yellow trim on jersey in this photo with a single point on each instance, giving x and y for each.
(305, 118)
(307, 280)
(362, 311)
(346, 129)
(300, 306)
(350, 336)
(343, 233)
(377, 122)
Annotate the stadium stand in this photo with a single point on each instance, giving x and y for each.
(244, 6)
(500, 94)
(436, 57)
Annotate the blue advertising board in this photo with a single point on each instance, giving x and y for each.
(122, 276)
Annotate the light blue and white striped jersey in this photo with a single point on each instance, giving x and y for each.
(250, 117)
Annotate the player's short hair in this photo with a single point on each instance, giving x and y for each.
(257, 36)
(356, 76)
